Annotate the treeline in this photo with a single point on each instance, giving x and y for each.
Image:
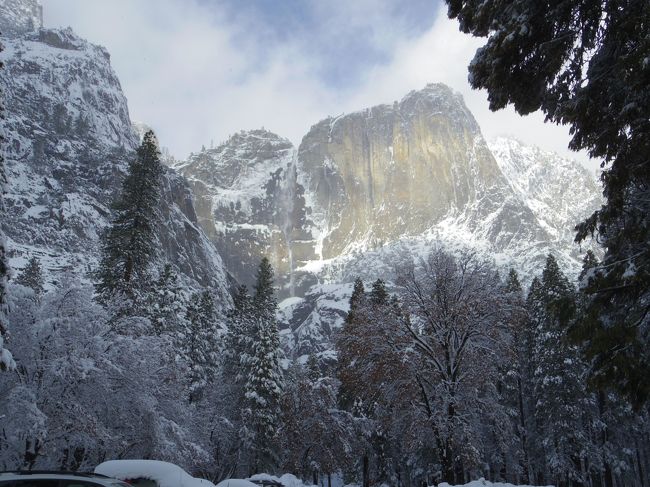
(451, 374)
(462, 375)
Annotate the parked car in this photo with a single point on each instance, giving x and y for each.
(47, 478)
(150, 473)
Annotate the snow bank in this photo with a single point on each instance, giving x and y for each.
(288, 480)
(484, 483)
(163, 473)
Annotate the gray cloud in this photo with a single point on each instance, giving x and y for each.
(195, 72)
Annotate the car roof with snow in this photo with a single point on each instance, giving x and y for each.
(165, 474)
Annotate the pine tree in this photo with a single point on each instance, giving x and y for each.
(378, 294)
(589, 262)
(239, 338)
(130, 243)
(512, 283)
(585, 64)
(264, 299)
(6, 360)
(32, 276)
(168, 302)
(347, 347)
(263, 388)
(561, 402)
(517, 373)
(197, 341)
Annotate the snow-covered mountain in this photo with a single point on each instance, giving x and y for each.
(362, 191)
(364, 186)
(559, 191)
(366, 190)
(68, 142)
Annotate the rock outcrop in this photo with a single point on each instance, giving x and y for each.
(68, 143)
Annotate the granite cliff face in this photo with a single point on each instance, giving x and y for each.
(366, 186)
(397, 171)
(68, 143)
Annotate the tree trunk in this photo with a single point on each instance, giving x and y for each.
(524, 436)
(639, 462)
(366, 472)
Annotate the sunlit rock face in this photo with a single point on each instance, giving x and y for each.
(364, 184)
(394, 171)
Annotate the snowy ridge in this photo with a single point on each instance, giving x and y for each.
(560, 192)
(69, 140)
(20, 16)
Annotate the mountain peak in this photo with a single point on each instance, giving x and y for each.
(20, 17)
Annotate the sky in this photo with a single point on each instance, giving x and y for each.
(198, 71)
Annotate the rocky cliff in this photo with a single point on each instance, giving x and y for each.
(68, 142)
(390, 179)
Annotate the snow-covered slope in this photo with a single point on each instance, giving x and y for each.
(20, 16)
(68, 142)
(560, 192)
(365, 191)
(249, 204)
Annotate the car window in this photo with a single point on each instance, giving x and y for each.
(78, 483)
(143, 482)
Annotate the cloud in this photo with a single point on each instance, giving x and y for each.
(200, 70)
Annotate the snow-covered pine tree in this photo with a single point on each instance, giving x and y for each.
(516, 396)
(130, 243)
(168, 302)
(264, 384)
(6, 360)
(32, 276)
(347, 348)
(197, 342)
(562, 405)
(239, 338)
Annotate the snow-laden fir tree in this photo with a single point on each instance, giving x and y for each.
(198, 343)
(239, 338)
(587, 65)
(264, 384)
(168, 302)
(562, 405)
(516, 393)
(32, 276)
(6, 360)
(347, 348)
(129, 244)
